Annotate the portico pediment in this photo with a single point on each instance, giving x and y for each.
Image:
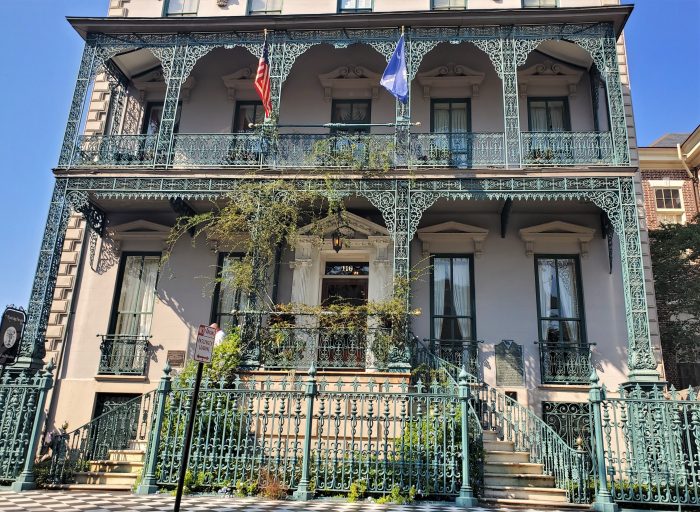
(350, 82)
(549, 73)
(358, 224)
(457, 235)
(556, 231)
(452, 76)
(154, 82)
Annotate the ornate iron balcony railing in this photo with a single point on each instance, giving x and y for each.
(115, 151)
(330, 341)
(461, 150)
(123, 354)
(355, 151)
(565, 363)
(460, 353)
(567, 148)
(218, 150)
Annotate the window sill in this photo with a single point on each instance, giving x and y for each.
(121, 378)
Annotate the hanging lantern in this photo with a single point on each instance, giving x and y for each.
(337, 240)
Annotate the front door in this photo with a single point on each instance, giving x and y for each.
(342, 340)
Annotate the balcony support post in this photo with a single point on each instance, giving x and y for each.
(32, 349)
(75, 115)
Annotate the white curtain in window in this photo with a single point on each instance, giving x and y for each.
(229, 295)
(461, 294)
(441, 119)
(459, 119)
(137, 295)
(441, 270)
(556, 115)
(548, 288)
(568, 297)
(538, 117)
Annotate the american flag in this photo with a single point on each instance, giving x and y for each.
(262, 80)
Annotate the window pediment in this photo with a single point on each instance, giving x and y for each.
(241, 80)
(457, 234)
(154, 82)
(549, 73)
(452, 76)
(347, 82)
(556, 231)
(138, 230)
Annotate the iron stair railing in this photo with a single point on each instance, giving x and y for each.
(514, 422)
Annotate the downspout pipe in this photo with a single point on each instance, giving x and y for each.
(693, 176)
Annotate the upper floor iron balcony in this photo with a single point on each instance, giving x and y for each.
(480, 97)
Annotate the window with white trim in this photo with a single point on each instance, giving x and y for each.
(355, 6)
(669, 205)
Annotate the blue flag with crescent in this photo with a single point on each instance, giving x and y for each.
(395, 77)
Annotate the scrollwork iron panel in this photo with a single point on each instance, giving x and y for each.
(567, 148)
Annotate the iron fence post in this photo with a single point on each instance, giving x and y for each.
(148, 483)
(603, 499)
(466, 497)
(25, 481)
(303, 493)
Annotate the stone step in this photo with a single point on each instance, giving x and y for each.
(105, 478)
(551, 506)
(89, 487)
(495, 456)
(544, 494)
(501, 446)
(126, 455)
(490, 435)
(518, 480)
(115, 466)
(513, 468)
(138, 445)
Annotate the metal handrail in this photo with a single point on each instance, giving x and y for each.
(74, 451)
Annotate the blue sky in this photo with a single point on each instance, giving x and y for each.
(43, 54)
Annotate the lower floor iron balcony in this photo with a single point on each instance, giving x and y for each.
(355, 151)
(124, 354)
(565, 362)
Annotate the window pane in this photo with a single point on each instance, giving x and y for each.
(559, 299)
(556, 116)
(265, 6)
(229, 297)
(137, 295)
(247, 114)
(180, 7)
(452, 299)
(538, 116)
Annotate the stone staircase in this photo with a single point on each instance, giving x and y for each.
(118, 473)
(510, 479)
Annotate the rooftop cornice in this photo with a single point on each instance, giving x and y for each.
(617, 15)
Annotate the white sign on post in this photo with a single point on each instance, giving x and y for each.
(205, 344)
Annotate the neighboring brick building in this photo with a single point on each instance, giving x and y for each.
(670, 167)
(670, 178)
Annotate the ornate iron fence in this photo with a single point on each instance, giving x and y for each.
(459, 353)
(567, 148)
(565, 363)
(22, 397)
(461, 150)
(115, 151)
(124, 354)
(650, 440)
(320, 434)
(117, 429)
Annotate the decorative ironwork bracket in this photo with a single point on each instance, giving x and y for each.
(505, 216)
(608, 232)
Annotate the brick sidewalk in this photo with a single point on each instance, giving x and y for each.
(55, 501)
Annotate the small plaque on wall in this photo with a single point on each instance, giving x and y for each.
(510, 368)
(176, 358)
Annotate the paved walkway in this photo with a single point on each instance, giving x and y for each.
(55, 501)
